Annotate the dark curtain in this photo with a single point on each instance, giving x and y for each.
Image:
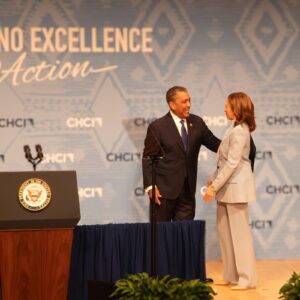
(109, 252)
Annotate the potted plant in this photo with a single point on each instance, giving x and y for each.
(291, 289)
(141, 286)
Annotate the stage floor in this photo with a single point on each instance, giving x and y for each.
(272, 275)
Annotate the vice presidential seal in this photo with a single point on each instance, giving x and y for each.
(34, 194)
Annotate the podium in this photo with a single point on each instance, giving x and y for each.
(35, 242)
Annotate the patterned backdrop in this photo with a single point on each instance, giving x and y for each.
(85, 78)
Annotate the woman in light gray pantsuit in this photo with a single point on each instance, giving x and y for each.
(233, 187)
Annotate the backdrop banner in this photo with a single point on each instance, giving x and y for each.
(85, 78)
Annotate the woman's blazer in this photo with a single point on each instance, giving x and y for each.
(234, 180)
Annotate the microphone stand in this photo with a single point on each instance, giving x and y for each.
(153, 158)
(153, 220)
(36, 161)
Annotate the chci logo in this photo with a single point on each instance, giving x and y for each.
(34, 194)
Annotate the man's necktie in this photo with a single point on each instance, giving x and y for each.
(184, 135)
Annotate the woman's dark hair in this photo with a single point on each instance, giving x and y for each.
(243, 109)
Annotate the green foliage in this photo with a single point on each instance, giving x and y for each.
(291, 289)
(141, 287)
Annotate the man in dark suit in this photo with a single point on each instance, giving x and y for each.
(177, 136)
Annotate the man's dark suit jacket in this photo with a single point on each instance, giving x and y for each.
(164, 139)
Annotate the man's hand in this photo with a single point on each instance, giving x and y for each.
(157, 195)
(208, 198)
(210, 194)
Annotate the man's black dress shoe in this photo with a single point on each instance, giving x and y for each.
(208, 280)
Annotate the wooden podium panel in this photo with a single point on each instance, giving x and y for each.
(34, 265)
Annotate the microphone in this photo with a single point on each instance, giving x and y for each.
(154, 150)
(39, 151)
(34, 160)
(27, 153)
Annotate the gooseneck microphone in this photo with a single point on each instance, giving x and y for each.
(39, 151)
(34, 160)
(27, 153)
